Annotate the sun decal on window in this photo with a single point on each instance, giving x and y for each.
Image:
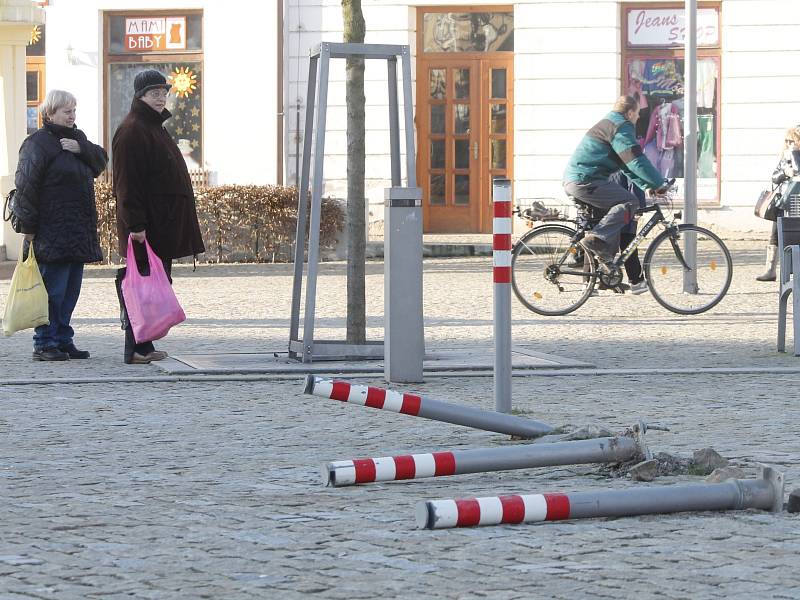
(36, 35)
(183, 81)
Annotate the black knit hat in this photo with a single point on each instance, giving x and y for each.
(148, 80)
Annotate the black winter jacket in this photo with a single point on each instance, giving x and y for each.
(152, 186)
(55, 195)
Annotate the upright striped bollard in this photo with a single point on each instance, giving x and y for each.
(765, 493)
(482, 460)
(417, 406)
(501, 267)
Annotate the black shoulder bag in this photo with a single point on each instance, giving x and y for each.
(9, 214)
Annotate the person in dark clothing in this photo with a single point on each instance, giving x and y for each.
(785, 176)
(56, 209)
(155, 199)
(606, 148)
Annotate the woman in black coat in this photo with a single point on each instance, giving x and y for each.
(56, 208)
(785, 178)
(155, 199)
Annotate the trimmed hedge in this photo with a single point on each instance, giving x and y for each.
(240, 223)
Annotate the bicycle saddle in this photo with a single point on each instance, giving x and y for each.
(589, 212)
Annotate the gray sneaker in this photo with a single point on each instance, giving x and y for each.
(639, 288)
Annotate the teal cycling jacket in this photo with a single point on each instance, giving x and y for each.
(608, 147)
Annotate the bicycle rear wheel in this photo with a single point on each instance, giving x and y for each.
(549, 274)
(665, 270)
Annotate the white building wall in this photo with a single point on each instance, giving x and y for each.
(568, 56)
(760, 100)
(309, 22)
(567, 73)
(240, 103)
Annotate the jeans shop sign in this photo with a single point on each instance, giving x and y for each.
(666, 27)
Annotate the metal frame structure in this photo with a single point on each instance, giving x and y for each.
(307, 348)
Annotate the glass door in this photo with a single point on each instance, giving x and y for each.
(449, 149)
(496, 128)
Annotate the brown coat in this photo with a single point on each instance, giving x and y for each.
(152, 186)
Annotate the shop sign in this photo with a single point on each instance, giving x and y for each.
(666, 27)
(159, 34)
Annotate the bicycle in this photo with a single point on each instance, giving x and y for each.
(551, 276)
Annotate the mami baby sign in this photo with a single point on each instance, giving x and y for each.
(155, 34)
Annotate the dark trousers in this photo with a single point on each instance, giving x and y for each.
(131, 345)
(633, 268)
(63, 284)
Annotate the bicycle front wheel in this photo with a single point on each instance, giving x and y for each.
(692, 290)
(550, 275)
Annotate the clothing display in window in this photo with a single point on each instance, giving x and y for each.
(705, 146)
(706, 83)
(660, 129)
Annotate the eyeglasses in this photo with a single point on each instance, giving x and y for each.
(154, 94)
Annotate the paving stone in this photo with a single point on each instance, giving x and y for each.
(212, 489)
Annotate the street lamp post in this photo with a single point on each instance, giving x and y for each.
(690, 146)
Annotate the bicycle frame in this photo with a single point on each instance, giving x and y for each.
(658, 217)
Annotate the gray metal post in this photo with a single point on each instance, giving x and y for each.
(482, 460)
(394, 122)
(690, 146)
(765, 493)
(316, 205)
(302, 205)
(426, 408)
(404, 330)
(501, 253)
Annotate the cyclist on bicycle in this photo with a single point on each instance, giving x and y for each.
(608, 147)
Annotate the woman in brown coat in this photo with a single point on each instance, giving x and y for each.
(155, 200)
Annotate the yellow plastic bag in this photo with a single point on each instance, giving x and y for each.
(26, 305)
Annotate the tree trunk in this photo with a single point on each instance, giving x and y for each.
(354, 28)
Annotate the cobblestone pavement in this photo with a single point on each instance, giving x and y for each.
(213, 489)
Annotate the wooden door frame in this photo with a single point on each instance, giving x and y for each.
(483, 220)
(487, 212)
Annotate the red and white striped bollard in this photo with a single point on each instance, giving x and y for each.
(427, 408)
(501, 272)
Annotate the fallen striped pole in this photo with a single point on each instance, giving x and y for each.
(765, 493)
(417, 406)
(481, 460)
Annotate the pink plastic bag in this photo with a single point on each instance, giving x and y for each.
(150, 301)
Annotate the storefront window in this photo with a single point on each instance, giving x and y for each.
(468, 31)
(183, 102)
(172, 44)
(659, 86)
(34, 77)
(653, 73)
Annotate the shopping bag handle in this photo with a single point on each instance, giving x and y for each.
(152, 258)
(134, 272)
(31, 258)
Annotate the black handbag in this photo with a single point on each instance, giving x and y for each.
(9, 214)
(768, 204)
